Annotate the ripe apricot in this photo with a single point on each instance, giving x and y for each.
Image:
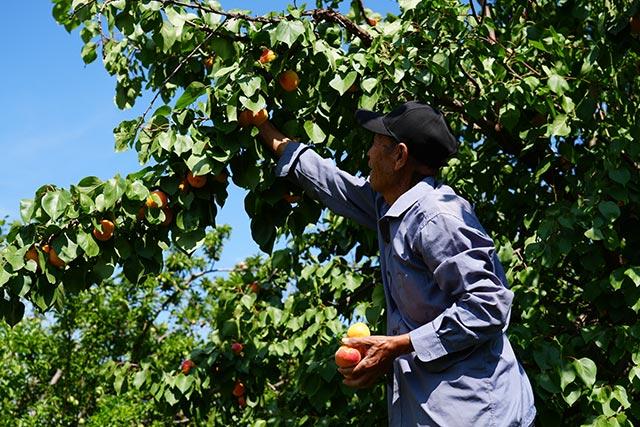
(267, 56)
(254, 287)
(221, 177)
(346, 357)
(289, 80)
(196, 181)
(32, 254)
(187, 365)
(237, 347)
(168, 216)
(208, 61)
(53, 257)
(106, 232)
(242, 401)
(238, 389)
(372, 21)
(358, 330)
(151, 203)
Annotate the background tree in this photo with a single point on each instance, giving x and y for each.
(543, 95)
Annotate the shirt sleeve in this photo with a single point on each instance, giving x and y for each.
(341, 192)
(465, 266)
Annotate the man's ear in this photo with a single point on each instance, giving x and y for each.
(402, 156)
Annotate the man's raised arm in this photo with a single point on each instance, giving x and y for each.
(272, 138)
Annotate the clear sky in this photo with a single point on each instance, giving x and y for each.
(58, 114)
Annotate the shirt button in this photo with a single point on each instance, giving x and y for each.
(395, 331)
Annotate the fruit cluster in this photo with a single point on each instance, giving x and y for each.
(347, 357)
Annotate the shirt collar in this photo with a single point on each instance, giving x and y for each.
(410, 197)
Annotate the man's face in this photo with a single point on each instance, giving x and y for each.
(381, 161)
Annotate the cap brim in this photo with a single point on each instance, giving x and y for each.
(372, 121)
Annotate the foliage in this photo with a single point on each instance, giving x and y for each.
(544, 96)
(112, 355)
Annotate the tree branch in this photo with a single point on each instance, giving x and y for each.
(470, 77)
(473, 11)
(350, 26)
(317, 14)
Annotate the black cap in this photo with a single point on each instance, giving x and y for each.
(418, 125)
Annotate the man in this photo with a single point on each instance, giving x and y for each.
(448, 305)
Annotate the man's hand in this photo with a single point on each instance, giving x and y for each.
(272, 138)
(379, 353)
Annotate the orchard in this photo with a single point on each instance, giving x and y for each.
(544, 98)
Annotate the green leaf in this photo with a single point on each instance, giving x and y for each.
(509, 116)
(586, 370)
(609, 210)
(89, 184)
(12, 311)
(251, 86)
(89, 52)
(594, 234)
(406, 5)
(621, 176)
(559, 127)
(248, 300)
(342, 84)
(287, 32)
(572, 397)
(545, 167)
(557, 84)
(113, 190)
(136, 190)
(368, 84)
(633, 274)
(314, 132)
(125, 134)
(567, 375)
(170, 397)
(191, 93)
(184, 383)
(140, 378)
(27, 207)
(88, 244)
(263, 233)
(191, 240)
(55, 203)
(169, 36)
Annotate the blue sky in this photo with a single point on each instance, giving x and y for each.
(58, 114)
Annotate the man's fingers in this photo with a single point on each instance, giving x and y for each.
(346, 372)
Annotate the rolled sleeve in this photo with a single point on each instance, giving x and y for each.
(289, 158)
(464, 266)
(426, 343)
(340, 191)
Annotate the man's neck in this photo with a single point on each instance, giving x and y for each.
(404, 184)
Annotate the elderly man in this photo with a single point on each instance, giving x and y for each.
(448, 302)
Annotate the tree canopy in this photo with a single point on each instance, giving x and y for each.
(542, 94)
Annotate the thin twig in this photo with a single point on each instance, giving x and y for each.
(470, 77)
(173, 73)
(473, 11)
(229, 15)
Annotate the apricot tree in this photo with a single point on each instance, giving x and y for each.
(543, 95)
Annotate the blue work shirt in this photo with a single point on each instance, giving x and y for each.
(445, 286)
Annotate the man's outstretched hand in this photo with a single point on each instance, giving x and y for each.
(379, 353)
